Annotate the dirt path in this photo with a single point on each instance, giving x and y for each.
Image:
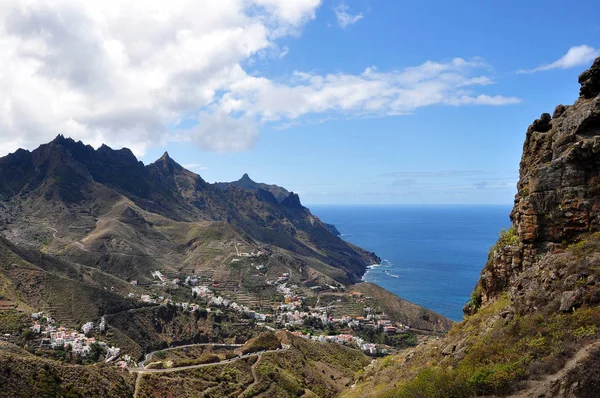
(255, 382)
(149, 355)
(542, 387)
(138, 379)
(171, 370)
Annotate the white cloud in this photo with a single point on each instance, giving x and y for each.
(344, 18)
(371, 93)
(576, 56)
(125, 73)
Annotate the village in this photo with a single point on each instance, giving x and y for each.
(293, 313)
(81, 343)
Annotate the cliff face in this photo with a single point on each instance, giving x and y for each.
(531, 327)
(558, 199)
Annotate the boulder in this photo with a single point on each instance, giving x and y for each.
(569, 300)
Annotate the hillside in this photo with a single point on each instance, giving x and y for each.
(531, 326)
(104, 260)
(24, 375)
(73, 293)
(105, 207)
(102, 217)
(305, 369)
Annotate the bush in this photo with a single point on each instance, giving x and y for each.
(508, 237)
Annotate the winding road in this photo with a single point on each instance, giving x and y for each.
(149, 355)
(141, 371)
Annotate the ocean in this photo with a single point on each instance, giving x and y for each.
(431, 255)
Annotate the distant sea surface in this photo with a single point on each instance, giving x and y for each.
(431, 255)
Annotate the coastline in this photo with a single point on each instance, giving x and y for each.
(434, 253)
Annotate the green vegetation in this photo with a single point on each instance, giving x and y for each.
(14, 322)
(32, 377)
(378, 336)
(324, 369)
(156, 327)
(307, 369)
(506, 237)
(263, 342)
(586, 246)
(500, 354)
(475, 300)
(219, 381)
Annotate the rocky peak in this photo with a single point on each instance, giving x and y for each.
(165, 157)
(166, 163)
(292, 201)
(558, 198)
(590, 81)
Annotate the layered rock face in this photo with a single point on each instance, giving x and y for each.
(558, 199)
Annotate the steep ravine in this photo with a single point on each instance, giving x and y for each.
(531, 326)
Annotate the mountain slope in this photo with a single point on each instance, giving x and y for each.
(536, 307)
(73, 200)
(75, 293)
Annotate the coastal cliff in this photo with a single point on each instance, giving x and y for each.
(531, 325)
(557, 204)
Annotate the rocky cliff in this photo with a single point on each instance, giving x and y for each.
(531, 325)
(557, 203)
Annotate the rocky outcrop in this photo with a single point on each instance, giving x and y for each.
(292, 201)
(558, 198)
(590, 81)
(248, 184)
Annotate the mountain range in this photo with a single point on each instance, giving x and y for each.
(94, 235)
(104, 207)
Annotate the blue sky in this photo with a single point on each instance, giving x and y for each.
(345, 102)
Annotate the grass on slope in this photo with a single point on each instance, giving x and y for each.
(499, 352)
(219, 381)
(404, 311)
(157, 327)
(32, 377)
(263, 342)
(308, 367)
(13, 322)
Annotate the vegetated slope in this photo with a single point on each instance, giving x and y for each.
(537, 303)
(106, 207)
(26, 376)
(156, 327)
(404, 311)
(306, 368)
(74, 293)
(263, 342)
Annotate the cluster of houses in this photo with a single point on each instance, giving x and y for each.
(59, 337)
(248, 254)
(346, 339)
